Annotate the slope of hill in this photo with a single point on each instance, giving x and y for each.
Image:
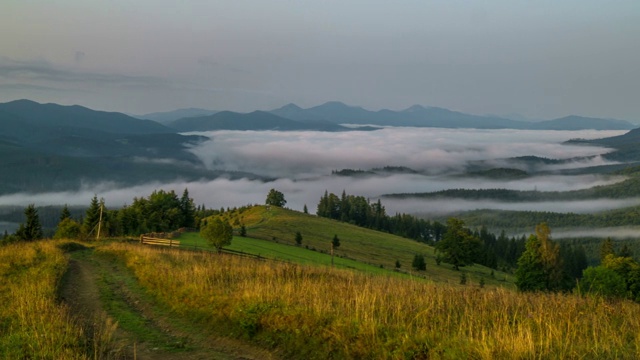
(257, 120)
(626, 145)
(574, 122)
(58, 116)
(273, 224)
(48, 147)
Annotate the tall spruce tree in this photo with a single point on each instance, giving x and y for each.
(31, 229)
(540, 267)
(65, 213)
(458, 246)
(92, 216)
(188, 210)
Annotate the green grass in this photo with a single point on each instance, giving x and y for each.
(277, 251)
(271, 233)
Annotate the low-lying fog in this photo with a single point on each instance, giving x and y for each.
(302, 163)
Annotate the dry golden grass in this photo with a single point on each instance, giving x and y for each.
(33, 324)
(326, 313)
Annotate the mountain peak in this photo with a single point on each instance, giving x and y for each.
(414, 108)
(289, 107)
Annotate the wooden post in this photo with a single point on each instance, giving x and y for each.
(332, 254)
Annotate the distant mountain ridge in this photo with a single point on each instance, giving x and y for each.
(257, 120)
(170, 116)
(420, 116)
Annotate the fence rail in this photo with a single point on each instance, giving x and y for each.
(147, 240)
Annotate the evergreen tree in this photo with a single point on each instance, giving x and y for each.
(298, 238)
(530, 275)
(187, 208)
(606, 248)
(31, 229)
(335, 242)
(625, 251)
(243, 230)
(305, 210)
(458, 245)
(540, 266)
(92, 216)
(65, 213)
(418, 262)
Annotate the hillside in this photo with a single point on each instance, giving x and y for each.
(278, 225)
(66, 117)
(49, 147)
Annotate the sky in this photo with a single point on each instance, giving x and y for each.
(538, 59)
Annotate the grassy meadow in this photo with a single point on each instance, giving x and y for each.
(318, 312)
(269, 227)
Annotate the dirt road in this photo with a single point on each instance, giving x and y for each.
(111, 305)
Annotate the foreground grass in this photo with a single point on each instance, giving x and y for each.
(33, 325)
(316, 312)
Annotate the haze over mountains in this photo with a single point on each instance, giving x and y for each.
(52, 148)
(316, 118)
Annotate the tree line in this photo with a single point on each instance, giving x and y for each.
(456, 244)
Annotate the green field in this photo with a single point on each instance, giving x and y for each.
(271, 233)
(276, 251)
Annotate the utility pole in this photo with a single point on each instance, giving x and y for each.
(99, 222)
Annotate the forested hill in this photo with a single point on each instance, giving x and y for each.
(49, 147)
(625, 189)
(19, 113)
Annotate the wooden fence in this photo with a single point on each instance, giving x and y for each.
(147, 240)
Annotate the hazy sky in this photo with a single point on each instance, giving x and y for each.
(541, 59)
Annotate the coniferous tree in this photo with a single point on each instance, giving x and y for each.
(418, 262)
(65, 213)
(305, 210)
(188, 210)
(606, 248)
(540, 267)
(92, 216)
(458, 246)
(335, 242)
(31, 229)
(298, 238)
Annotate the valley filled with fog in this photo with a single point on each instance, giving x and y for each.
(300, 164)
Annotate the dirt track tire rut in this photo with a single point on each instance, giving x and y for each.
(81, 291)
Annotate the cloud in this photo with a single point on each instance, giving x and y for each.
(43, 72)
(440, 207)
(224, 192)
(618, 232)
(301, 163)
(433, 151)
